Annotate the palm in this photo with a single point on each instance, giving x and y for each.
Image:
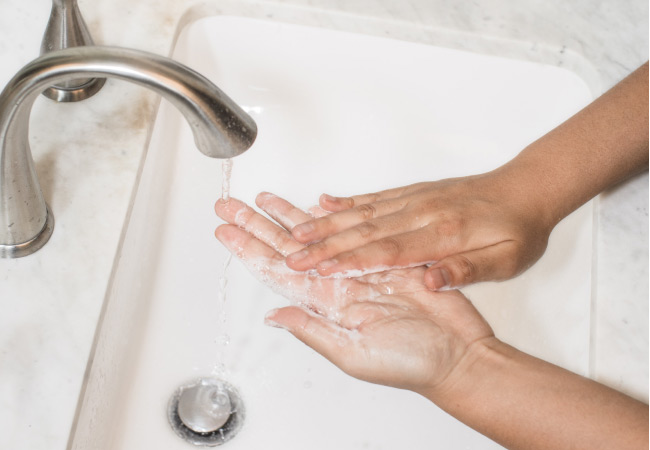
(382, 327)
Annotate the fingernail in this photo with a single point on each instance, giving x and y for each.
(261, 197)
(268, 320)
(439, 278)
(298, 256)
(230, 246)
(233, 243)
(327, 198)
(325, 265)
(220, 205)
(302, 229)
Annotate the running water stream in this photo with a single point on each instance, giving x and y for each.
(223, 339)
(226, 172)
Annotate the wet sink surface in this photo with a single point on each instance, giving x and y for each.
(338, 113)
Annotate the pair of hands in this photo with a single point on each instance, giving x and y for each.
(397, 327)
(400, 324)
(389, 328)
(385, 328)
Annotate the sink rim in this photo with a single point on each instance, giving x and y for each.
(188, 19)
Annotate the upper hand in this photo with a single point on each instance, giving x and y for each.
(468, 229)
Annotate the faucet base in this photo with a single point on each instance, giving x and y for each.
(74, 94)
(29, 247)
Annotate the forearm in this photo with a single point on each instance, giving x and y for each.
(600, 146)
(522, 402)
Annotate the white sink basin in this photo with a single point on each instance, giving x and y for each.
(337, 113)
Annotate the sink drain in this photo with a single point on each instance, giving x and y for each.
(207, 412)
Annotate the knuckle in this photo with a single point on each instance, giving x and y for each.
(449, 226)
(242, 217)
(367, 211)
(466, 270)
(313, 230)
(352, 259)
(279, 239)
(328, 225)
(318, 250)
(391, 247)
(366, 229)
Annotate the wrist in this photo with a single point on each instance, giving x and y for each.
(531, 191)
(522, 402)
(484, 392)
(481, 356)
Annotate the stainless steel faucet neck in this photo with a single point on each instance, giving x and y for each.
(221, 128)
(66, 28)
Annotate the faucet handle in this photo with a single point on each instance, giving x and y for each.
(66, 28)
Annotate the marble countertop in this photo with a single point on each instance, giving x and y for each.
(88, 156)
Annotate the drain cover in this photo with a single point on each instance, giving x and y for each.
(207, 412)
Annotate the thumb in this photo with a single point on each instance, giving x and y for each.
(496, 262)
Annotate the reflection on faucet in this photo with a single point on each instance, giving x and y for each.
(221, 128)
(66, 28)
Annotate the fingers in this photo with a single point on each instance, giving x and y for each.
(496, 262)
(359, 208)
(349, 239)
(400, 250)
(335, 204)
(268, 266)
(375, 348)
(245, 246)
(238, 213)
(316, 230)
(281, 210)
(319, 333)
(317, 212)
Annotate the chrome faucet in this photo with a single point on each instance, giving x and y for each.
(221, 128)
(66, 28)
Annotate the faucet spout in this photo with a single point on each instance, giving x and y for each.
(221, 128)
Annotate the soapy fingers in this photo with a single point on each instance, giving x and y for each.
(335, 204)
(350, 211)
(261, 245)
(281, 210)
(240, 214)
(318, 229)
